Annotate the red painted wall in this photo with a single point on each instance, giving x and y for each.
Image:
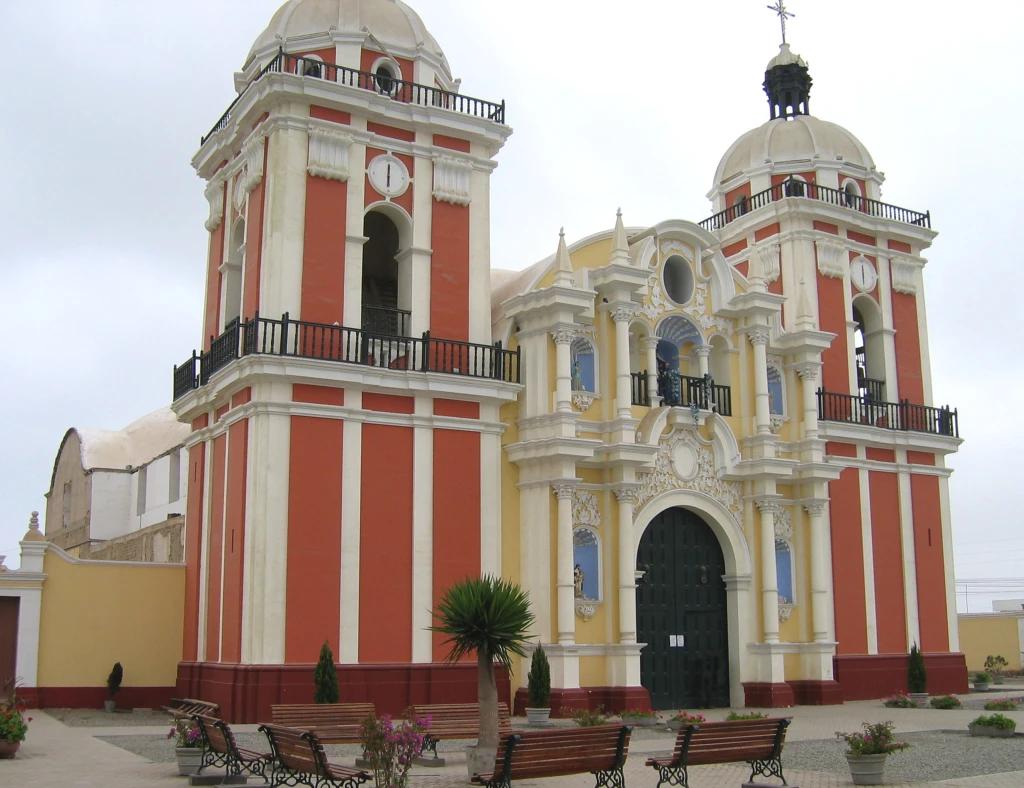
(832, 317)
(333, 115)
(214, 556)
(848, 563)
(449, 271)
(931, 574)
(254, 246)
(908, 347)
(385, 555)
(453, 143)
(234, 541)
(193, 548)
(323, 252)
(890, 596)
(456, 514)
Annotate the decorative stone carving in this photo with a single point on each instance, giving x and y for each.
(705, 480)
(215, 196)
(807, 370)
(768, 505)
(904, 275)
(832, 258)
(623, 313)
(452, 180)
(564, 336)
(815, 508)
(563, 491)
(584, 509)
(775, 422)
(785, 611)
(252, 169)
(783, 524)
(627, 494)
(582, 400)
(586, 608)
(769, 255)
(328, 154)
(758, 335)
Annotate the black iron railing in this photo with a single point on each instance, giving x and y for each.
(384, 320)
(902, 415)
(678, 390)
(324, 342)
(872, 388)
(397, 89)
(791, 187)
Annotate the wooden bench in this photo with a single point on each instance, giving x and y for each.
(221, 749)
(298, 759)
(758, 742)
(600, 750)
(452, 721)
(186, 708)
(333, 723)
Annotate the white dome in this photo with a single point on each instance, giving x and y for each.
(803, 138)
(391, 22)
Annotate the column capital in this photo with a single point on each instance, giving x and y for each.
(650, 342)
(703, 351)
(758, 335)
(815, 507)
(621, 313)
(564, 336)
(768, 505)
(808, 370)
(563, 490)
(627, 494)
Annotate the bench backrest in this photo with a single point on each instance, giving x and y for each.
(313, 715)
(453, 715)
(214, 737)
(551, 753)
(187, 707)
(296, 750)
(739, 740)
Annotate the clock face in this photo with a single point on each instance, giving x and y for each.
(388, 175)
(863, 275)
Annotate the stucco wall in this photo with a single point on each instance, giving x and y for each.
(68, 468)
(991, 633)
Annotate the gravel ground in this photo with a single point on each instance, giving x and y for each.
(98, 718)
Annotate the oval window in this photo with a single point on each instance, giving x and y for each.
(678, 279)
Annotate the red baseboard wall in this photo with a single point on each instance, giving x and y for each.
(768, 696)
(866, 677)
(93, 697)
(816, 693)
(246, 692)
(609, 699)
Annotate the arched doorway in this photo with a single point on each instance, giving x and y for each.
(681, 613)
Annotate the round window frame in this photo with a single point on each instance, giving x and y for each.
(396, 75)
(692, 279)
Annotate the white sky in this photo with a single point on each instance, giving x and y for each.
(103, 249)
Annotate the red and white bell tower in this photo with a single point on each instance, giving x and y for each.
(343, 465)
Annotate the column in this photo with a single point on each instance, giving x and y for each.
(821, 590)
(769, 578)
(563, 571)
(621, 315)
(758, 336)
(627, 497)
(808, 373)
(650, 345)
(703, 358)
(563, 369)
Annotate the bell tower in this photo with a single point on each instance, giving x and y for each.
(345, 401)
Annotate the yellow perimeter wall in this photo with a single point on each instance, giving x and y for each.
(96, 613)
(991, 633)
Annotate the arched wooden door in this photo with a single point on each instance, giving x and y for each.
(681, 613)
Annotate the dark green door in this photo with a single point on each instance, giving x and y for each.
(681, 613)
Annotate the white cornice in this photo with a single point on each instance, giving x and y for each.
(878, 437)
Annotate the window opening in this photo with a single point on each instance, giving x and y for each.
(66, 505)
(381, 314)
(140, 500)
(385, 79)
(776, 400)
(678, 278)
(174, 477)
(784, 571)
(583, 372)
(586, 563)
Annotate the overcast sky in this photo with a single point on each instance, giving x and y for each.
(613, 104)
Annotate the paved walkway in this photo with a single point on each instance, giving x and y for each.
(59, 756)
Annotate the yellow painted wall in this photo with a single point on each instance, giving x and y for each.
(593, 671)
(990, 633)
(97, 613)
(510, 557)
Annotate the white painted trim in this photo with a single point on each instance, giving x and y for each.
(913, 617)
(947, 560)
(491, 497)
(867, 548)
(351, 497)
(204, 550)
(422, 600)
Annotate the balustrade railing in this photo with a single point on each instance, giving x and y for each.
(683, 391)
(385, 320)
(902, 415)
(397, 89)
(324, 342)
(639, 387)
(792, 187)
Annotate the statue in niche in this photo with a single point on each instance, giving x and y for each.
(577, 581)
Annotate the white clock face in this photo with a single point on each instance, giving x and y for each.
(863, 275)
(388, 175)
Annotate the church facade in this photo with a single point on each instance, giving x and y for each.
(707, 450)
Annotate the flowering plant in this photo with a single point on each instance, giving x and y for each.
(900, 700)
(186, 733)
(390, 748)
(875, 739)
(688, 719)
(13, 723)
(637, 713)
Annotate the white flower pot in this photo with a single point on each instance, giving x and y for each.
(867, 769)
(189, 760)
(538, 717)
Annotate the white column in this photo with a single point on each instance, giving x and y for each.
(651, 351)
(758, 336)
(423, 535)
(623, 390)
(703, 358)
(769, 576)
(351, 501)
(913, 619)
(564, 567)
(627, 497)
(821, 591)
(808, 373)
(563, 369)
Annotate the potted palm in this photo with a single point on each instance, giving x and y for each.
(867, 749)
(113, 686)
(490, 617)
(538, 688)
(917, 677)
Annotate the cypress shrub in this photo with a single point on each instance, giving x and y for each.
(917, 677)
(538, 685)
(325, 677)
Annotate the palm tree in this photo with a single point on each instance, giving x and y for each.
(491, 617)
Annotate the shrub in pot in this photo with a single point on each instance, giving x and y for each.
(946, 702)
(325, 677)
(982, 679)
(867, 749)
(992, 725)
(538, 688)
(996, 664)
(113, 686)
(917, 676)
(640, 717)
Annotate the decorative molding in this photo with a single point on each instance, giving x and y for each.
(768, 505)
(703, 351)
(582, 400)
(815, 508)
(252, 171)
(665, 476)
(832, 258)
(586, 608)
(904, 275)
(585, 510)
(215, 196)
(775, 422)
(452, 180)
(563, 491)
(328, 154)
(808, 370)
(783, 524)
(785, 611)
(623, 313)
(758, 335)
(564, 336)
(627, 494)
(770, 256)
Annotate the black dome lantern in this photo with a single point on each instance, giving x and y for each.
(787, 83)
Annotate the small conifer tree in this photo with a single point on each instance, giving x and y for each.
(539, 680)
(917, 677)
(114, 680)
(325, 677)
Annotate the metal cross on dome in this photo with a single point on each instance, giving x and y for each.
(780, 9)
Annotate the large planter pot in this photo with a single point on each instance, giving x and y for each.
(981, 686)
(990, 732)
(920, 699)
(643, 721)
(189, 760)
(8, 748)
(109, 705)
(480, 760)
(867, 769)
(538, 717)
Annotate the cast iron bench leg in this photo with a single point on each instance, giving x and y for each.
(672, 775)
(768, 768)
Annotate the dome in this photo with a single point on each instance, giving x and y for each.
(786, 57)
(803, 138)
(391, 22)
